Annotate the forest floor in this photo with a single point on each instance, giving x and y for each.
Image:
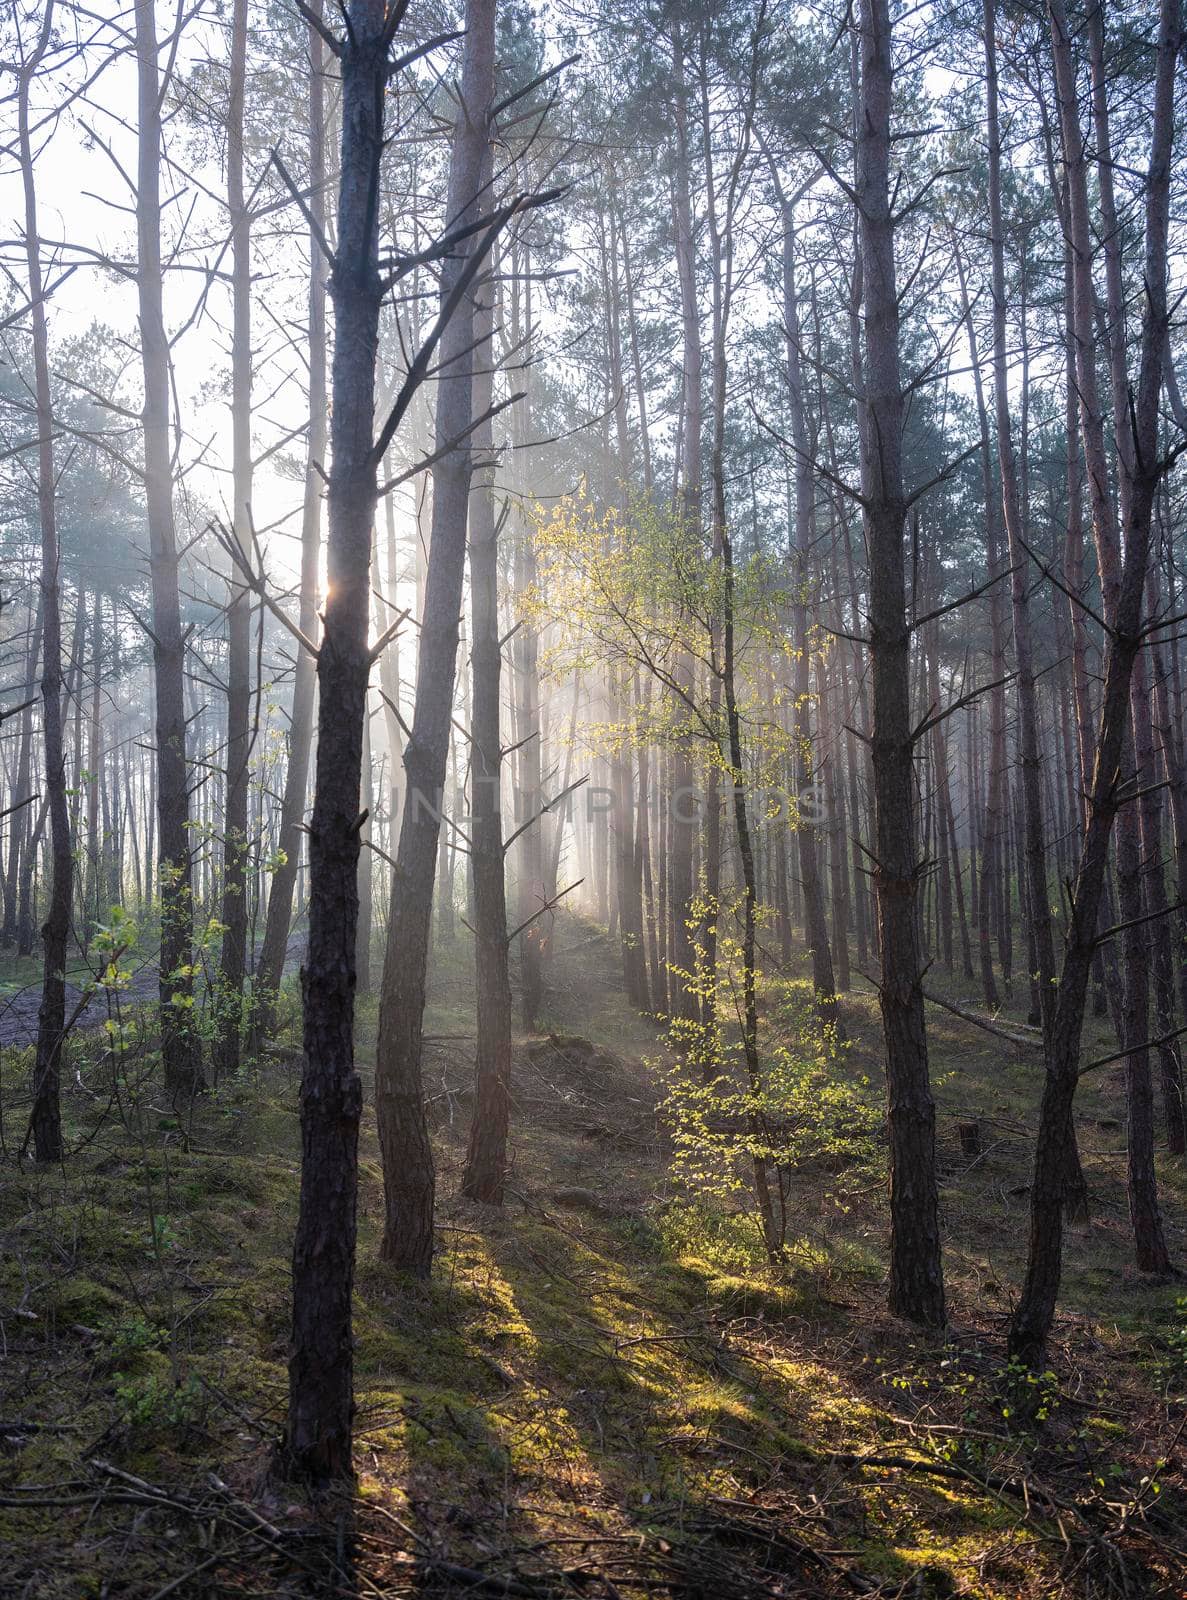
(604, 1391)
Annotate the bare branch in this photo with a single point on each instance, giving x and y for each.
(955, 605)
(451, 444)
(257, 583)
(332, 41)
(548, 905)
(315, 227)
(549, 805)
(958, 704)
(386, 637)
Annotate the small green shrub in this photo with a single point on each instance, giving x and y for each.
(156, 1401)
(801, 1112)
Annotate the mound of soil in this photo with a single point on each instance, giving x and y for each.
(576, 1067)
(608, 1098)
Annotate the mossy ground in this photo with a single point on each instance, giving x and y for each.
(603, 1390)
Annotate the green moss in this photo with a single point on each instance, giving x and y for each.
(563, 1371)
(80, 1301)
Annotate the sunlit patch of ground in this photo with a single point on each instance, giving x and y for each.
(603, 1390)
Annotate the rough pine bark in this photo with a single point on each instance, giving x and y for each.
(321, 1388)
(916, 1275)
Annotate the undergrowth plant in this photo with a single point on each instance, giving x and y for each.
(804, 1119)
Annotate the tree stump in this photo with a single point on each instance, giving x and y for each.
(970, 1138)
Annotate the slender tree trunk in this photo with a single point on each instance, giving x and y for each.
(180, 1048)
(803, 530)
(1032, 1319)
(26, 895)
(1030, 759)
(1149, 1239)
(773, 1234)
(916, 1276)
(627, 874)
(533, 941)
(629, 880)
(486, 1159)
(407, 1155)
(838, 864)
(720, 234)
(683, 809)
(994, 833)
(1172, 1076)
(658, 988)
(321, 1398)
(296, 779)
(22, 788)
(46, 1120)
(238, 748)
(91, 876)
(1149, 946)
(949, 860)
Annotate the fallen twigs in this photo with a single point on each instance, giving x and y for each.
(1113, 1568)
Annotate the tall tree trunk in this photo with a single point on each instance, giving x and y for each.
(486, 1159)
(720, 232)
(683, 810)
(994, 834)
(1032, 1318)
(1149, 945)
(296, 778)
(321, 1401)
(533, 941)
(1172, 1080)
(180, 1048)
(1150, 1244)
(407, 1155)
(627, 873)
(803, 529)
(772, 1232)
(45, 1119)
(1037, 897)
(916, 1275)
(238, 748)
